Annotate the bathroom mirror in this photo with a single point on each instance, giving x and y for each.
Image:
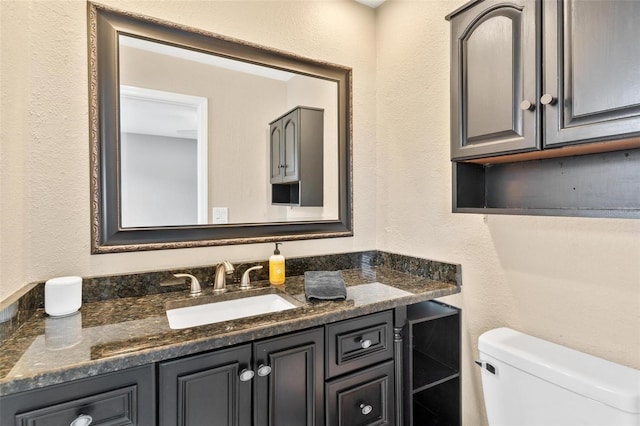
(179, 128)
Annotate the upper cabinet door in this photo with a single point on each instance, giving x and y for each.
(592, 70)
(275, 140)
(291, 146)
(493, 80)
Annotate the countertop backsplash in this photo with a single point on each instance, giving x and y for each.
(128, 311)
(15, 310)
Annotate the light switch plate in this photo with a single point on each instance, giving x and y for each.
(220, 215)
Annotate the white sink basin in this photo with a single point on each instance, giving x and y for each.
(226, 310)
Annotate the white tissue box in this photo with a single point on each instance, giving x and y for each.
(62, 296)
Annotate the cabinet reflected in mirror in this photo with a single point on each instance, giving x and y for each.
(168, 179)
(180, 121)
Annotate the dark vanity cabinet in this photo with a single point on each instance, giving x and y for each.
(432, 365)
(126, 397)
(347, 373)
(340, 374)
(360, 371)
(296, 150)
(277, 381)
(545, 107)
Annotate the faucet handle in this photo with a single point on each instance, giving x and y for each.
(245, 282)
(195, 284)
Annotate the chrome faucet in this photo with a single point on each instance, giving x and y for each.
(220, 280)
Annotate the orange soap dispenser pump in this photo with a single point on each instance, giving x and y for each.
(276, 267)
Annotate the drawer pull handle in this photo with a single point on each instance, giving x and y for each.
(82, 420)
(246, 375)
(264, 370)
(366, 409)
(364, 344)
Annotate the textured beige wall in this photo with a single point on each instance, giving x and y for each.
(570, 280)
(574, 281)
(44, 204)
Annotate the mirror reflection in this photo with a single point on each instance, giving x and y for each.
(198, 139)
(195, 138)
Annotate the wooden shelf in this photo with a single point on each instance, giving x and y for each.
(420, 312)
(423, 416)
(438, 405)
(428, 372)
(590, 185)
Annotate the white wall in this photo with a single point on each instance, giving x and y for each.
(571, 280)
(159, 180)
(574, 281)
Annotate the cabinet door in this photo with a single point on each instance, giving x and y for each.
(275, 141)
(362, 399)
(288, 388)
(592, 70)
(493, 80)
(206, 389)
(291, 147)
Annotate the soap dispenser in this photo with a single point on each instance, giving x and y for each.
(276, 267)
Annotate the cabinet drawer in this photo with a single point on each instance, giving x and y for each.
(359, 343)
(123, 398)
(362, 399)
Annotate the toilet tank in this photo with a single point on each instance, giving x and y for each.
(530, 381)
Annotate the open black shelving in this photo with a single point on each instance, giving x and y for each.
(432, 364)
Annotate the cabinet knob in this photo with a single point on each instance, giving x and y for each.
(82, 420)
(527, 105)
(547, 99)
(366, 409)
(246, 375)
(264, 370)
(364, 344)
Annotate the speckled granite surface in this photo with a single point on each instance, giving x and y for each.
(123, 323)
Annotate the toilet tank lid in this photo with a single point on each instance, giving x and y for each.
(596, 378)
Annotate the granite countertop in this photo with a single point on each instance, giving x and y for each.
(112, 335)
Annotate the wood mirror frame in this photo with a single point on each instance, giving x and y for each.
(107, 234)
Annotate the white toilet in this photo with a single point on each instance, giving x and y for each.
(529, 381)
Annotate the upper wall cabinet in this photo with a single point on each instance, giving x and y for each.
(508, 98)
(493, 74)
(296, 146)
(591, 71)
(545, 107)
